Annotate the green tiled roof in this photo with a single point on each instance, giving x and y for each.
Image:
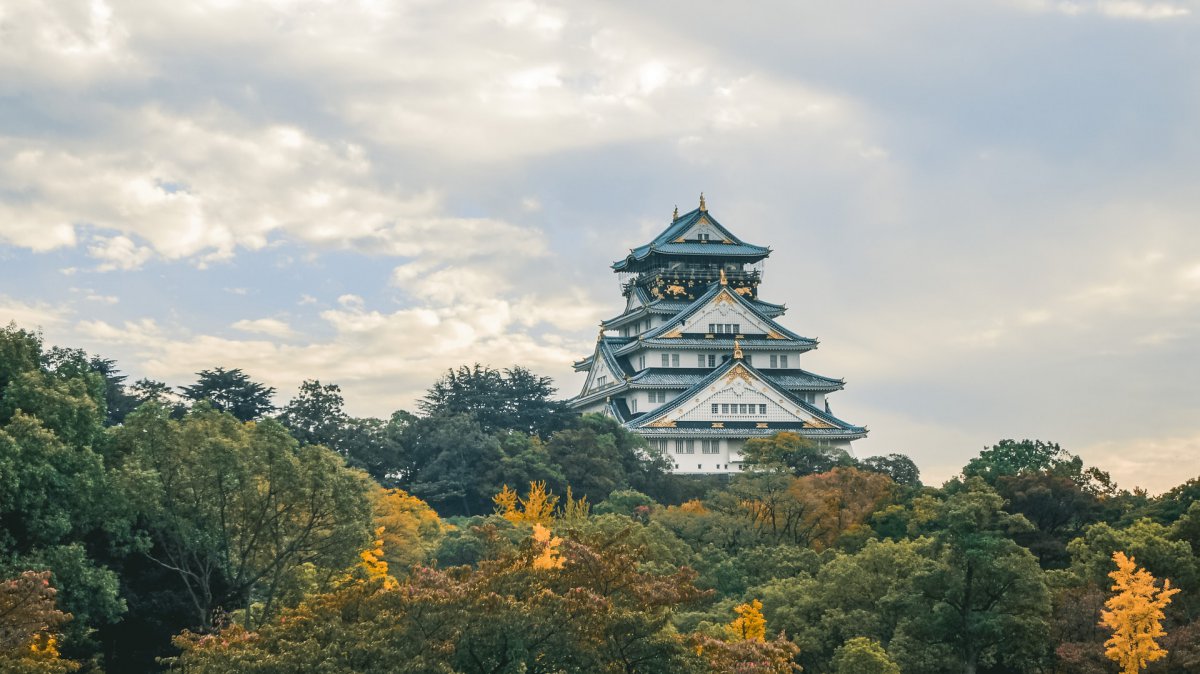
(667, 243)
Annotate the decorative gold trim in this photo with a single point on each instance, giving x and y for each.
(662, 423)
(703, 206)
(737, 350)
(760, 425)
(674, 334)
(772, 334)
(737, 373)
(680, 240)
(709, 335)
(724, 298)
(724, 281)
(675, 215)
(718, 424)
(817, 423)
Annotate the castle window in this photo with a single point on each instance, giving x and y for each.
(674, 360)
(712, 360)
(699, 360)
(601, 381)
(642, 362)
(666, 360)
(633, 405)
(715, 407)
(762, 409)
(685, 447)
(724, 408)
(710, 446)
(658, 396)
(774, 360)
(783, 361)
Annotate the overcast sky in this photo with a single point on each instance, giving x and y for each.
(987, 211)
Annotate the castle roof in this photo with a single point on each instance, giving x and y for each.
(829, 424)
(671, 242)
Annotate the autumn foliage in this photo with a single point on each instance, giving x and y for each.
(1134, 614)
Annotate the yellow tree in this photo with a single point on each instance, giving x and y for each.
(750, 625)
(536, 508)
(1134, 615)
(411, 529)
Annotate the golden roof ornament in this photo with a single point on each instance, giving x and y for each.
(724, 281)
(600, 336)
(703, 207)
(737, 350)
(675, 215)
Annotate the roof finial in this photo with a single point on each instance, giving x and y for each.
(737, 350)
(724, 282)
(703, 207)
(600, 336)
(675, 215)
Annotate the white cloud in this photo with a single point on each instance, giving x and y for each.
(1114, 9)
(384, 361)
(271, 327)
(193, 188)
(30, 315)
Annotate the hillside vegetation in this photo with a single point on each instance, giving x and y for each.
(200, 529)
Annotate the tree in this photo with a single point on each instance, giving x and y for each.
(589, 607)
(118, 402)
(984, 601)
(231, 391)
(794, 452)
(861, 655)
(1055, 505)
(598, 456)
(411, 529)
(29, 622)
(512, 400)
(236, 509)
(316, 415)
(749, 624)
(1134, 614)
(450, 463)
(899, 467)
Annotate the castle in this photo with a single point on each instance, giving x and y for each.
(696, 363)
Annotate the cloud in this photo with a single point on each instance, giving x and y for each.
(203, 187)
(1114, 9)
(30, 315)
(383, 360)
(265, 326)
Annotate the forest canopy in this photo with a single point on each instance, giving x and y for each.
(212, 527)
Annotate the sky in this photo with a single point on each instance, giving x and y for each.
(986, 211)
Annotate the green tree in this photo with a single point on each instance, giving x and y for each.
(597, 456)
(236, 509)
(509, 400)
(450, 463)
(899, 467)
(231, 391)
(985, 601)
(793, 452)
(861, 655)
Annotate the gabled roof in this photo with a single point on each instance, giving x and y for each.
(831, 421)
(668, 242)
(713, 291)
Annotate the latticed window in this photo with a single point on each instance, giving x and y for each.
(699, 360)
(674, 360)
(783, 361)
(666, 360)
(714, 408)
(685, 446)
(710, 446)
(712, 360)
(774, 360)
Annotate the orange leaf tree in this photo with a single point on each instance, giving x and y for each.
(1134, 615)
